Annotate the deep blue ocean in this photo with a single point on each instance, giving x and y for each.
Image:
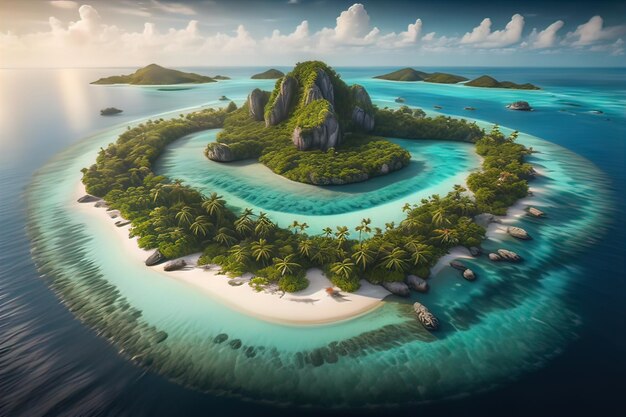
(51, 364)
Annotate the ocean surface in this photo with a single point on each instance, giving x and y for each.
(78, 320)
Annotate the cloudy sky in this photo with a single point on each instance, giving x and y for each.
(66, 33)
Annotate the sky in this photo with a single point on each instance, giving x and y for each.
(123, 33)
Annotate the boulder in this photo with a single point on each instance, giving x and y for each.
(495, 257)
(508, 255)
(417, 283)
(101, 204)
(428, 320)
(518, 233)
(397, 288)
(324, 136)
(535, 212)
(220, 152)
(256, 103)
(88, 198)
(469, 275)
(400, 100)
(156, 258)
(484, 219)
(280, 107)
(458, 265)
(122, 223)
(475, 251)
(175, 265)
(519, 105)
(114, 214)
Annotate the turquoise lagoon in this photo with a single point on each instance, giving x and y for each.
(510, 321)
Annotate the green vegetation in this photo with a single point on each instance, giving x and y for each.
(490, 82)
(405, 74)
(270, 74)
(154, 74)
(412, 124)
(443, 78)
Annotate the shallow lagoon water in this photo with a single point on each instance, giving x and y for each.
(507, 324)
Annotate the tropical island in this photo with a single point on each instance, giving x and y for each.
(410, 74)
(270, 74)
(176, 220)
(154, 74)
(314, 128)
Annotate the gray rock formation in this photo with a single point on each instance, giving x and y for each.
(362, 119)
(495, 257)
(101, 204)
(417, 283)
(114, 214)
(508, 255)
(322, 81)
(256, 103)
(484, 219)
(469, 275)
(326, 135)
(519, 105)
(175, 265)
(397, 288)
(220, 152)
(428, 320)
(314, 93)
(362, 116)
(535, 212)
(475, 251)
(88, 198)
(518, 233)
(282, 102)
(156, 258)
(458, 265)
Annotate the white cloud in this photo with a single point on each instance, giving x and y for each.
(482, 36)
(593, 32)
(64, 4)
(546, 38)
(174, 8)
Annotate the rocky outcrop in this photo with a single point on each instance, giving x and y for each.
(519, 105)
(397, 288)
(101, 204)
(88, 198)
(428, 319)
(469, 275)
(220, 152)
(322, 81)
(156, 258)
(362, 115)
(518, 233)
(535, 212)
(175, 265)
(282, 102)
(475, 251)
(484, 219)
(325, 136)
(508, 255)
(314, 93)
(416, 283)
(256, 103)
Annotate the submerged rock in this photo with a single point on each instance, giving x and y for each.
(475, 251)
(495, 257)
(469, 275)
(417, 283)
(220, 338)
(156, 258)
(175, 265)
(88, 198)
(400, 100)
(535, 212)
(508, 255)
(220, 152)
(428, 319)
(282, 102)
(518, 233)
(519, 105)
(397, 288)
(458, 265)
(256, 103)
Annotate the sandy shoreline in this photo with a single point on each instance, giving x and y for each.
(307, 307)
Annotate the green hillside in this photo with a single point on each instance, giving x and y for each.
(155, 74)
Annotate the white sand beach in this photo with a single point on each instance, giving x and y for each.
(307, 307)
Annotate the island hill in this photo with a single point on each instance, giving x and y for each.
(270, 74)
(314, 128)
(154, 74)
(410, 74)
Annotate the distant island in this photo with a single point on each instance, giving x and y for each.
(410, 74)
(110, 111)
(270, 74)
(155, 74)
(221, 77)
(490, 82)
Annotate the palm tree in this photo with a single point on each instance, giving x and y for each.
(363, 256)
(390, 226)
(241, 254)
(342, 234)
(327, 231)
(304, 247)
(285, 265)
(158, 193)
(243, 225)
(438, 217)
(263, 225)
(448, 236)
(224, 236)
(185, 216)
(419, 253)
(406, 207)
(214, 205)
(363, 228)
(303, 227)
(201, 225)
(261, 250)
(294, 226)
(411, 223)
(343, 268)
(395, 260)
